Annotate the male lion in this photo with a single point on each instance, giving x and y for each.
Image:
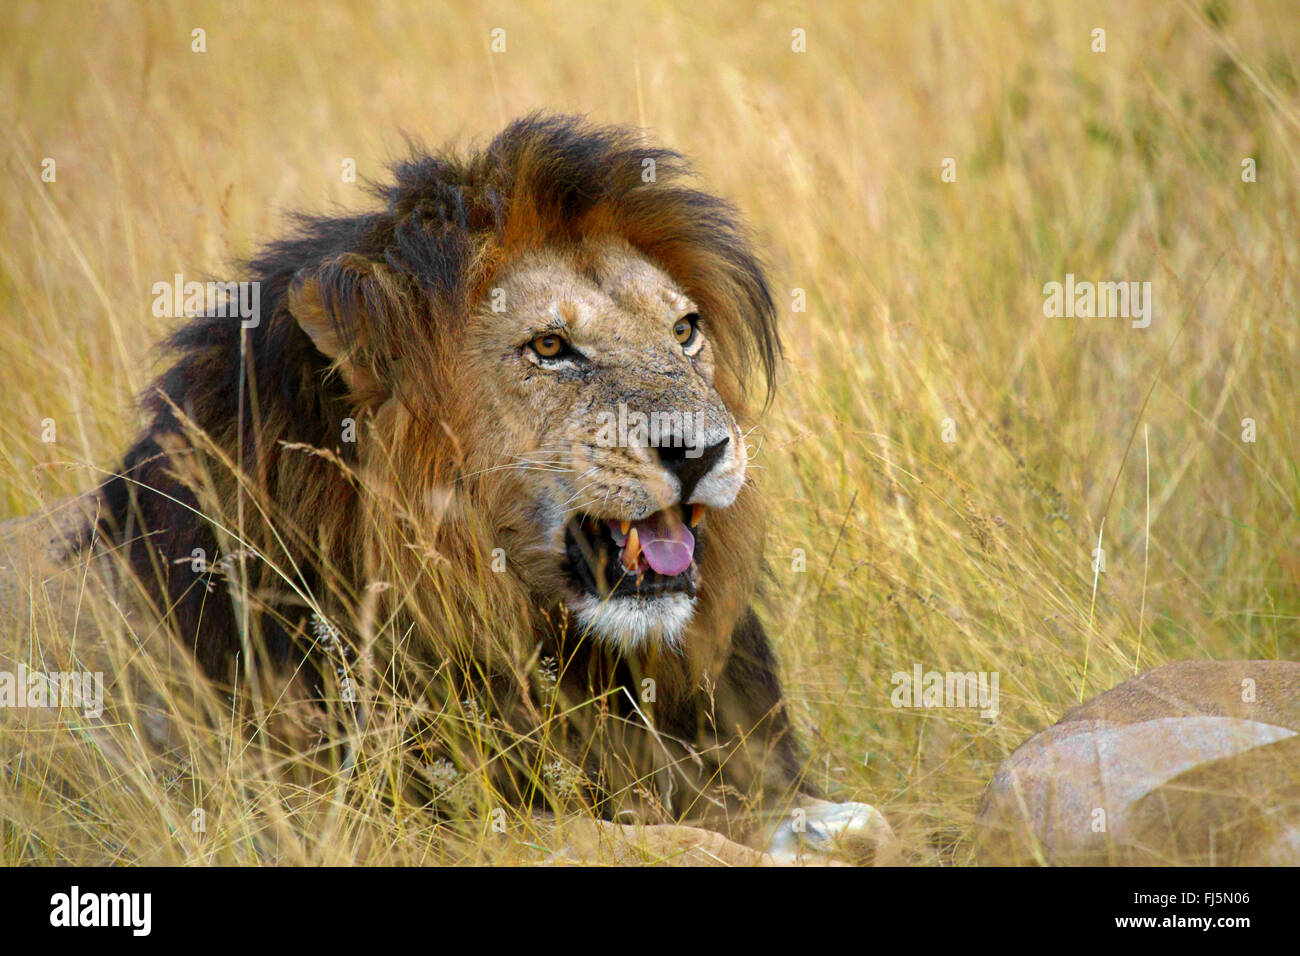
(490, 439)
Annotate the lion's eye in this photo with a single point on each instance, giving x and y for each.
(548, 346)
(686, 329)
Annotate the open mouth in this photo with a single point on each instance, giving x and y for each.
(657, 555)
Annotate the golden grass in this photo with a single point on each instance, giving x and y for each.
(924, 302)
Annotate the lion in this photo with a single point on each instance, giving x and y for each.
(487, 442)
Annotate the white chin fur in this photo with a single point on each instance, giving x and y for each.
(628, 623)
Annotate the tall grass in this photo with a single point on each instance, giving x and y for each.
(922, 321)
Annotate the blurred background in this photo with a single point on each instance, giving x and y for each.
(941, 454)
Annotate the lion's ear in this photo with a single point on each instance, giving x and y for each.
(340, 305)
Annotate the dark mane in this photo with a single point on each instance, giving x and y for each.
(445, 223)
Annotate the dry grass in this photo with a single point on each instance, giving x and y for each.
(924, 303)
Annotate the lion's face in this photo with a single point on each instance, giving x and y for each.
(608, 433)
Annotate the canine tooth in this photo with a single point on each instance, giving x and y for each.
(625, 524)
(697, 514)
(632, 553)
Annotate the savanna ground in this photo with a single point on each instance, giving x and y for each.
(923, 320)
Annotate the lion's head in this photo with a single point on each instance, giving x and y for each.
(596, 380)
(542, 356)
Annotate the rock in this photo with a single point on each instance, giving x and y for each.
(1193, 763)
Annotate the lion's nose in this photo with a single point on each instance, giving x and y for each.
(691, 464)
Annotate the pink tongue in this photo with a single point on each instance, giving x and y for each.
(666, 542)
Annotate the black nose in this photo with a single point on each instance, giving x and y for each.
(690, 464)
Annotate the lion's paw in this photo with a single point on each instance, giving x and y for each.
(821, 831)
